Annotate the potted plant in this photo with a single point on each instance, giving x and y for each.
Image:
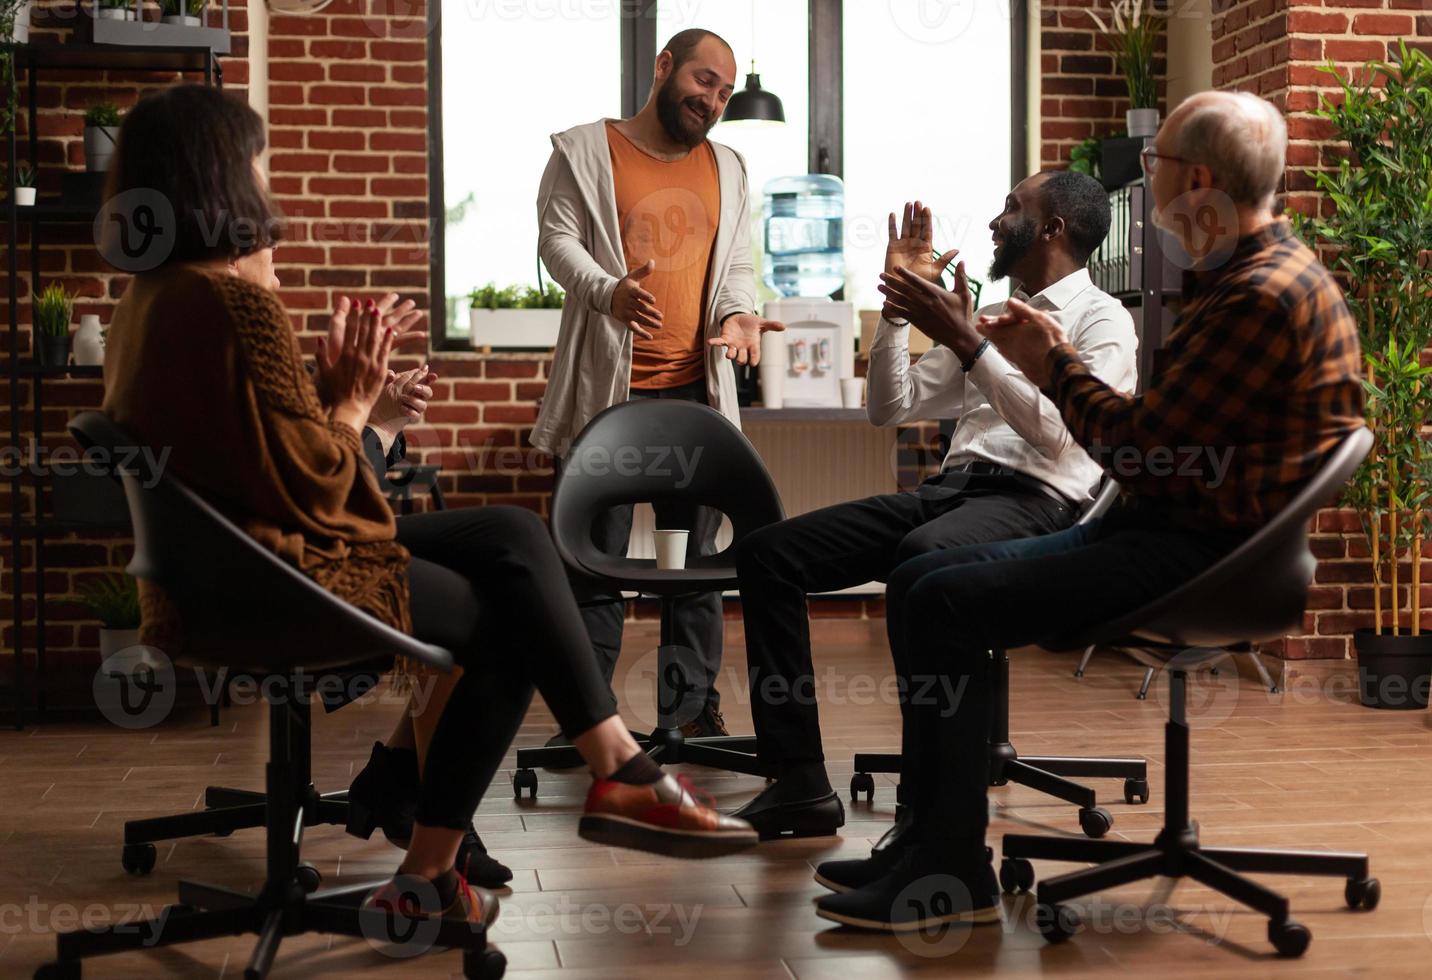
(1375, 234)
(52, 312)
(114, 600)
(15, 20)
(113, 10)
(1132, 34)
(24, 187)
(516, 316)
(101, 132)
(186, 12)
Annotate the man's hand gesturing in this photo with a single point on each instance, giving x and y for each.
(634, 306)
(912, 245)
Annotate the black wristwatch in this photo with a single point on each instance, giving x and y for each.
(966, 366)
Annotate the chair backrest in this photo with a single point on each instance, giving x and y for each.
(1256, 592)
(240, 605)
(651, 450)
(1104, 498)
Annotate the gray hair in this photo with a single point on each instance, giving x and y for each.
(1241, 138)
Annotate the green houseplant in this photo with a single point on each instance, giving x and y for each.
(52, 312)
(1132, 33)
(24, 186)
(114, 10)
(101, 132)
(1375, 232)
(113, 599)
(515, 316)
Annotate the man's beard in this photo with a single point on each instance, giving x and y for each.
(1016, 245)
(677, 126)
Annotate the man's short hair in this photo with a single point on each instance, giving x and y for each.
(1241, 138)
(683, 43)
(1083, 204)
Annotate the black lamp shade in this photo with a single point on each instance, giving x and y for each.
(754, 103)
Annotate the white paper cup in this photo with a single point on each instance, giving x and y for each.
(773, 369)
(670, 549)
(852, 392)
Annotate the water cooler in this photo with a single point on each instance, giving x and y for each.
(804, 261)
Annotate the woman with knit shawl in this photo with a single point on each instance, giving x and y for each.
(205, 363)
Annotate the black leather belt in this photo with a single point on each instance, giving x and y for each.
(980, 467)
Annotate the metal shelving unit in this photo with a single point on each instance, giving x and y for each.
(31, 60)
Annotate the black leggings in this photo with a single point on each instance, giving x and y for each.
(487, 584)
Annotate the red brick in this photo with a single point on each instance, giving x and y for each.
(510, 369)
(509, 413)
(344, 72)
(1311, 22)
(1394, 25)
(351, 163)
(343, 50)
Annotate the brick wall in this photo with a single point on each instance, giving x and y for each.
(68, 256)
(1082, 93)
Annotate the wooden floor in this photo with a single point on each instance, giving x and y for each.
(1305, 769)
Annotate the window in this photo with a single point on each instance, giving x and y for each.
(512, 74)
(777, 40)
(927, 116)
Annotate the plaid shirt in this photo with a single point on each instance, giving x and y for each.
(1260, 379)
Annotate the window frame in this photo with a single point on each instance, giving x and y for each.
(639, 42)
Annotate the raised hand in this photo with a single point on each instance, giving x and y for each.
(634, 306)
(943, 315)
(912, 244)
(354, 374)
(741, 336)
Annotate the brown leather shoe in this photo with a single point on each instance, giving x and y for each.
(400, 898)
(708, 724)
(663, 817)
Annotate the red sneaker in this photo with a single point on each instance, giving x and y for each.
(470, 904)
(663, 817)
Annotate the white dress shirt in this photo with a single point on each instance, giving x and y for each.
(1003, 417)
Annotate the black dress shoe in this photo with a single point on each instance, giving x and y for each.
(773, 816)
(921, 892)
(847, 875)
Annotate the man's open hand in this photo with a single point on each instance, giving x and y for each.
(1025, 336)
(634, 306)
(912, 244)
(741, 336)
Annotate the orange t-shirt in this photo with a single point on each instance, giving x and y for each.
(669, 212)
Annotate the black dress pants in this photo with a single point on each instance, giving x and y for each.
(487, 584)
(846, 545)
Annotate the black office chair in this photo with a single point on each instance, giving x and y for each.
(1040, 772)
(1257, 592)
(728, 476)
(243, 607)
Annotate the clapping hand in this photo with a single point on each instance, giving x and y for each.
(1025, 336)
(912, 244)
(943, 315)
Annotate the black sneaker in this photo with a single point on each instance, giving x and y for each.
(708, 724)
(848, 875)
(921, 892)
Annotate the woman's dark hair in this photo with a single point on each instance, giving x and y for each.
(186, 153)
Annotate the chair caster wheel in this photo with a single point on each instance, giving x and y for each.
(1016, 875)
(1289, 938)
(483, 964)
(1056, 922)
(524, 779)
(309, 878)
(1078, 672)
(1095, 821)
(1363, 893)
(862, 782)
(138, 859)
(59, 970)
(1136, 790)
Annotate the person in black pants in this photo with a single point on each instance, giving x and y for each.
(1012, 470)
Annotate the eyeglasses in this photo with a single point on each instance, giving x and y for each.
(1149, 157)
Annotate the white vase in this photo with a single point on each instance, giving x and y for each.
(113, 13)
(24, 196)
(183, 19)
(125, 643)
(99, 146)
(1142, 122)
(21, 32)
(527, 329)
(89, 341)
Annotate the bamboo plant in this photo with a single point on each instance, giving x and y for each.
(1376, 236)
